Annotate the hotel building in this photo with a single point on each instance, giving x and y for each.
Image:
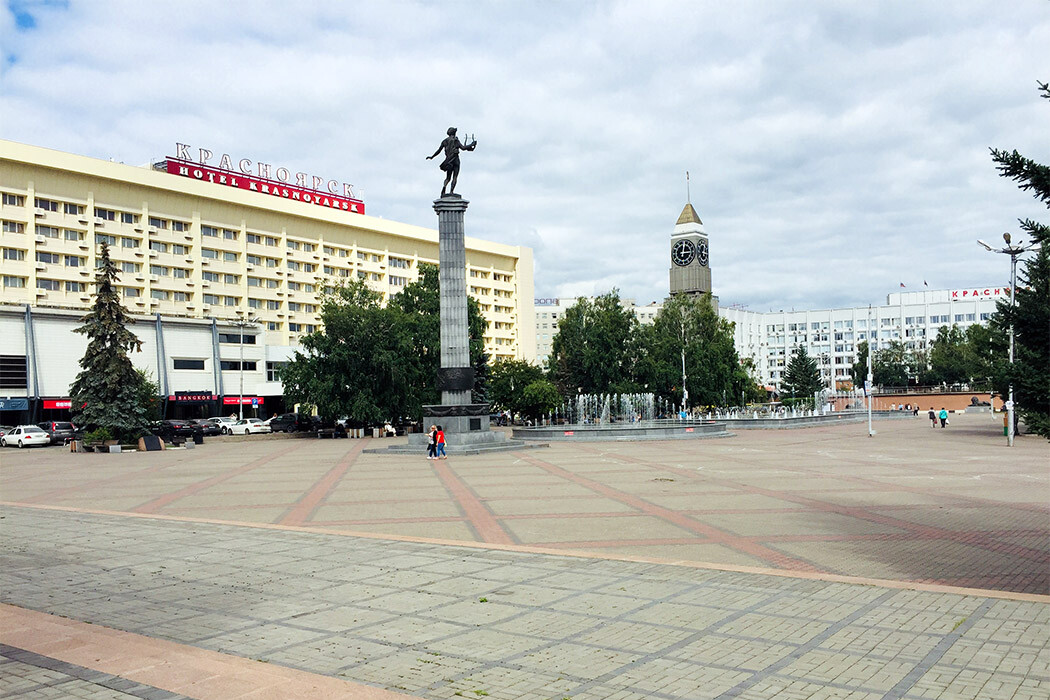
(203, 246)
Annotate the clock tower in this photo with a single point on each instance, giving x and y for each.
(690, 270)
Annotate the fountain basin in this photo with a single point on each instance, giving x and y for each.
(642, 430)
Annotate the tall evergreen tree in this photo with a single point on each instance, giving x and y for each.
(108, 391)
(802, 377)
(1030, 317)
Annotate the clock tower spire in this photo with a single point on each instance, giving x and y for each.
(690, 272)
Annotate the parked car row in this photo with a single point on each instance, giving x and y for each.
(61, 432)
(54, 433)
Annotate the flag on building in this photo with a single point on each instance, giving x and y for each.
(902, 285)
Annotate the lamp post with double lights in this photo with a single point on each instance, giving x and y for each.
(241, 325)
(1014, 250)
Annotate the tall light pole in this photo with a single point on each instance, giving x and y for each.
(1014, 251)
(869, 383)
(241, 325)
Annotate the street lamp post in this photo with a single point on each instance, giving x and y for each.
(241, 325)
(1014, 251)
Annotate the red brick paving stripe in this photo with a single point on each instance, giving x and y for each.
(304, 507)
(389, 521)
(717, 536)
(167, 499)
(478, 515)
(176, 668)
(577, 554)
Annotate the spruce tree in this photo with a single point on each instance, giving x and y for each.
(108, 391)
(1030, 317)
(802, 378)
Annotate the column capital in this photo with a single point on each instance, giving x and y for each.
(450, 202)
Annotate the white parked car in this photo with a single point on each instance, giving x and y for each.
(248, 426)
(25, 436)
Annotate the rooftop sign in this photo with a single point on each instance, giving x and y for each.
(263, 178)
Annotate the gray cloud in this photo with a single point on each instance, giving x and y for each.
(834, 150)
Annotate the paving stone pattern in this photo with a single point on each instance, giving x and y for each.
(445, 621)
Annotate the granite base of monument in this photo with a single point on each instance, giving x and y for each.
(467, 431)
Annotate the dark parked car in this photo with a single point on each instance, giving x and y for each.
(207, 427)
(60, 432)
(167, 429)
(292, 423)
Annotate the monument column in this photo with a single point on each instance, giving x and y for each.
(457, 375)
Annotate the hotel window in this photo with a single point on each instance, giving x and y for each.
(271, 241)
(309, 247)
(229, 234)
(254, 238)
(254, 282)
(254, 303)
(158, 247)
(310, 328)
(160, 294)
(376, 277)
(236, 339)
(129, 242)
(273, 369)
(294, 286)
(158, 270)
(231, 279)
(131, 292)
(13, 227)
(158, 223)
(14, 254)
(71, 235)
(253, 260)
(11, 281)
(76, 287)
(396, 281)
(376, 258)
(292, 265)
(231, 301)
(294, 245)
(292, 327)
(329, 250)
(362, 275)
(329, 270)
(50, 285)
(272, 284)
(74, 209)
(309, 267)
(177, 249)
(272, 262)
(129, 267)
(179, 226)
(210, 276)
(293, 306)
(362, 256)
(46, 204)
(211, 299)
(273, 326)
(985, 316)
(343, 252)
(47, 231)
(229, 257)
(308, 288)
(234, 365)
(126, 218)
(74, 261)
(272, 305)
(209, 253)
(48, 257)
(188, 364)
(14, 200)
(404, 264)
(209, 231)
(180, 272)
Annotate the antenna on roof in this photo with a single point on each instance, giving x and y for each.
(688, 201)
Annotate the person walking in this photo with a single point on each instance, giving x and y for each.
(432, 442)
(439, 437)
(943, 415)
(933, 417)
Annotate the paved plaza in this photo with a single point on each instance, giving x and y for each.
(813, 563)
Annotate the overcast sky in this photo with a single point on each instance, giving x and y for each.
(836, 149)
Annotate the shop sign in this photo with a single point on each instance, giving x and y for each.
(58, 403)
(264, 178)
(545, 302)
(193, 397)
(14, 404)
(245, 400)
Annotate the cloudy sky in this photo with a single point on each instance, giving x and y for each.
(836, 149)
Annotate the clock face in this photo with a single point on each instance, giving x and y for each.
(701, 252)
(683, 252)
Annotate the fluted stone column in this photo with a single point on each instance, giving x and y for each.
(455, 331)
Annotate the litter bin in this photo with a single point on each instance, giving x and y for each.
(198, 438)
(375, 432)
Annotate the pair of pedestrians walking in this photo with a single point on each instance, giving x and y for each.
(436, 443)
(933, 416)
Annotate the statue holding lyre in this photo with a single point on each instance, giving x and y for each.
(450, 165)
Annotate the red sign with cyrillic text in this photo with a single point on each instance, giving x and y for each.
(274, 188)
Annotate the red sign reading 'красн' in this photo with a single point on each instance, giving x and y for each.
(275, 182)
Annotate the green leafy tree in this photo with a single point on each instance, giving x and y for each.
(802, 376)
(859, 371)
(591, 351)
(109, 392)
(1030, 373)
(539, 398)
(360, 364)
(950, 361)
(892, 365)
(508, 381)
